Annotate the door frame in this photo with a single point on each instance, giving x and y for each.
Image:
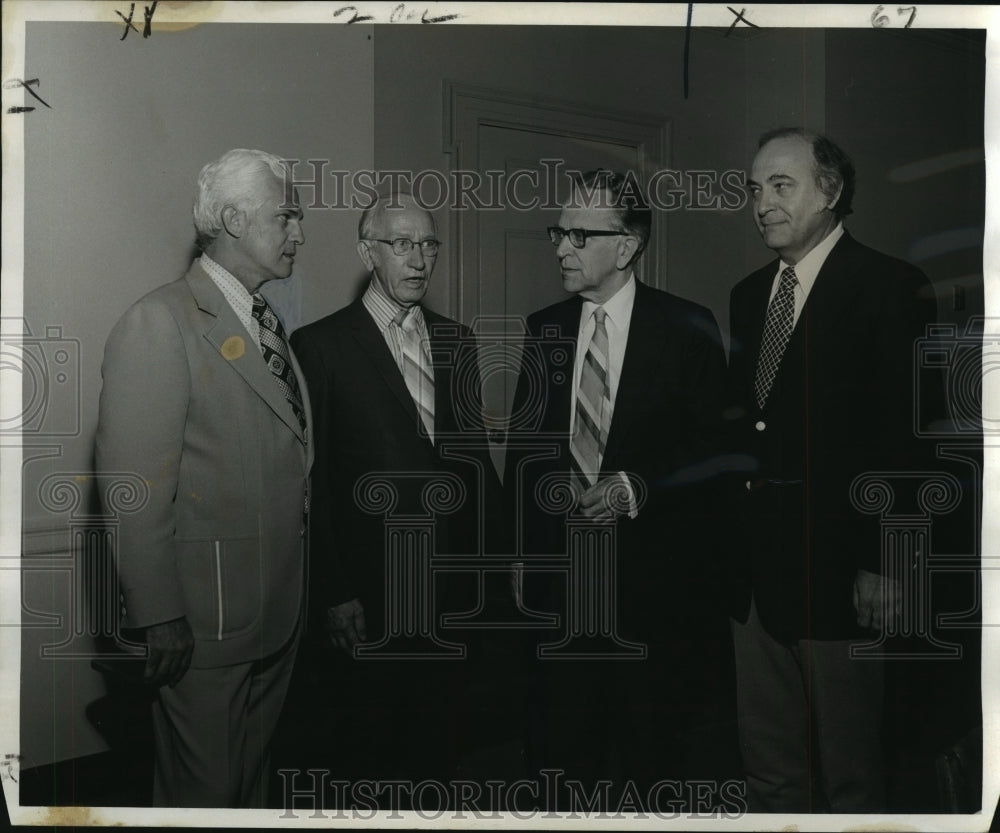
(468, 107)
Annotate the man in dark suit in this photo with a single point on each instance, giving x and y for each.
(204, 402)
(396, 395)
(626, 415)
(821, 372)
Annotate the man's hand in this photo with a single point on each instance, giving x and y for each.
(606, 499)
(869, 591)
(346, 624)
(171, 645)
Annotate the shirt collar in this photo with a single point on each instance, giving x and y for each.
(618, 307)
(225, 278)
(383, 309)
(808, 268)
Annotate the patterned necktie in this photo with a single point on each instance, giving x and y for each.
(593, 408)
(777, 329)
(417, 371)
(275, 350)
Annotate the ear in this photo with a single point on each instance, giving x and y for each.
(626, 251)
(365, 253)
(234, 220)
(832, 201)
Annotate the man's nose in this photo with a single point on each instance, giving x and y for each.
(416, 257)
(296, 235)
(564, 247)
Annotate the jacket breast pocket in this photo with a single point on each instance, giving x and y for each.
(221, 581)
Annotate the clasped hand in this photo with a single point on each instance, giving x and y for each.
(171, 646)
(346, 625)
(875, 595)
(606, 499)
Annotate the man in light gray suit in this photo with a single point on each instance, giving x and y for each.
(203, 399)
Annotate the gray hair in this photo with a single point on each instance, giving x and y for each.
(229, 181)
(382, 204)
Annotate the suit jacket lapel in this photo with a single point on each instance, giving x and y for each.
(228, 335)
(834, 289)
(559, 384)
(367, 334)
(643, 353)
(444, 338)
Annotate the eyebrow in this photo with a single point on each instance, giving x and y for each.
(297, 211)
(772, 178)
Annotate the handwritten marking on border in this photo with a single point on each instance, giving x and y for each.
(739, 17)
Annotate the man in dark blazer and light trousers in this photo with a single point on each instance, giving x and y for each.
(821, 372)
(660, 362)
(204, 402)
(396, 394)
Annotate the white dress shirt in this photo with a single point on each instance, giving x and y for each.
(807, 269)
(618, 319)
(236, 296)
(383, 310)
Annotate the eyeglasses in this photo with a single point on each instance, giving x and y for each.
(578, 236)
(403, 245)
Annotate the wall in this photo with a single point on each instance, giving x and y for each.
(737, 87)
(110, 175)
(909, 106)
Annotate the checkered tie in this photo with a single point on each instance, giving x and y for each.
(275, 350)
(417, 370)
(777, 329)
(593, 408)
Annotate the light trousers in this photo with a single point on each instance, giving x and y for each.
(805, 705)
(212, 731)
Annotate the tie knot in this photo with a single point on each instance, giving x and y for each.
(259, 305)
(406, 319)
(599, 315)
(788, 278)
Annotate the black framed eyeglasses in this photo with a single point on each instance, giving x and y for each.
(403, 245)
(578, 236)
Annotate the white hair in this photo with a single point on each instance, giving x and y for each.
(229, 180)
(373, 215)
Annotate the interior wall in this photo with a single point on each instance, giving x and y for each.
(908, 107)
(110, 175)
(736, 87)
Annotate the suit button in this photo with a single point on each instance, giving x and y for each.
(749, 486)
(760, 426)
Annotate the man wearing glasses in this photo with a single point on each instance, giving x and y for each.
(632, 418)
(395, 391)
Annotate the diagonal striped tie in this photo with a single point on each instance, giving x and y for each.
(777, 330)
(593, 409)
(275, 350)
(418, 372)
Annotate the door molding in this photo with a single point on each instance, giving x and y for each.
(467, 108)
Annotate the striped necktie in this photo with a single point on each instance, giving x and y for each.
(417, 370)
(593, 408)
(275, 351)
(777, 330)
